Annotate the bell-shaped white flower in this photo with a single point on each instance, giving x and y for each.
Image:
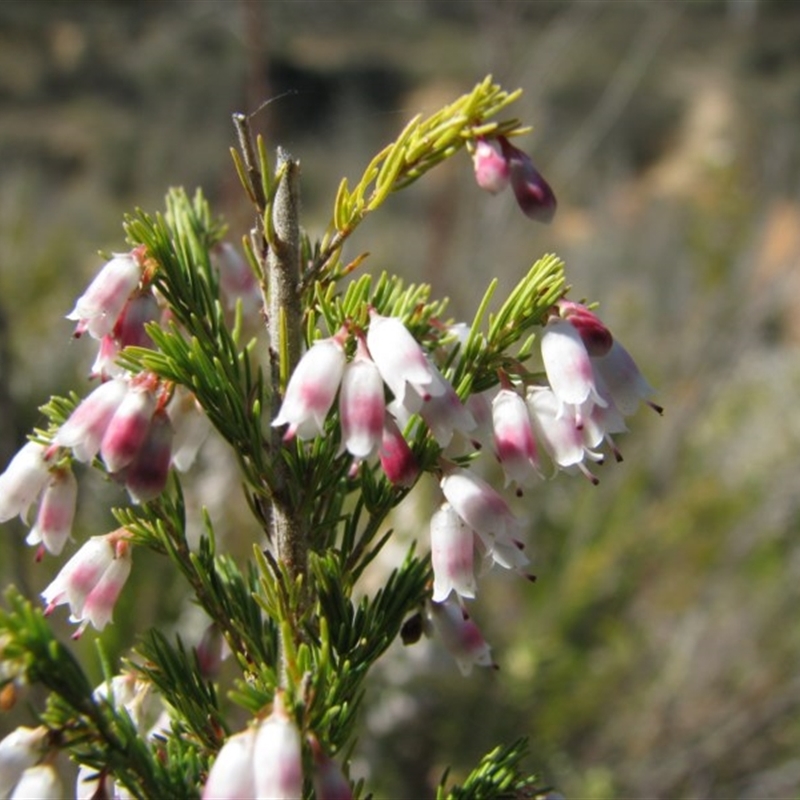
(232, 774)
(22, 481)
(361, 405)
(452, 552)
(460, 635)
(278, 756)
(56, 511)
(514, 442)
(312, 389)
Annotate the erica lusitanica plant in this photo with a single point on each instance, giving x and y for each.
(347, 391)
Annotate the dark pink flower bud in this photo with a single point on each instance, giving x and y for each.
(128, 428)
(596, 336)
(397, 460)
(491, 168)
(533, 193)
(146, 476)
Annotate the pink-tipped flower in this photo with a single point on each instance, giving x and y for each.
(533, 193)
(99, 307)
(40, 782)
(91, 581)
(460, 635)
(312, 389)
(232, 776)
(626, 384)
(401, 361)
(237, 280)
(361, 405)
(397, 459)
(278, 756)
(479, 505)
(84, 430)
(491, 168)
(22, 481)
(568, 365)
(128, 427)
(452, 552)
(56, 511)
(146, 476)
(513, 438)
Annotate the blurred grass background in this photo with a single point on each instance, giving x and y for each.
(657, 656)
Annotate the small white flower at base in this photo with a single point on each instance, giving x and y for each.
(22, 481)
(39, 783)
(460, 635)
(311, 390)
(232, 775)
(452, 551)
(56, 512)
(99, 307)
(278, 757)
(90, 582)
(19, 750)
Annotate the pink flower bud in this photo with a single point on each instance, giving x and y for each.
(491, 168)
(597, 339)
(533, 193)
(22, 481)
(98, 309)
(452, 551)
(513, 438)
(146, 476)
(232, 776)
(460, 635)
(56, 512)
(86, 426)
(361, 405)
(278, 756)
(128, 428)
(329, 781)
(401, 361)
(397, 458)
(312, 389)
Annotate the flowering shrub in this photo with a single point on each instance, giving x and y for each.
(418, 394)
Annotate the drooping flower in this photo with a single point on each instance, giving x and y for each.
(452, 551)
(401, 362)
(23, 480)
(91, 581)
(191, 426)
(56, 511)
(311, 390)
(491, 167)
(533, 193)
(278, 757)
(361, 405)
(236, 278)
(128, 427)
(328, 779)
(568, 366)
(514, 442)
(99, 307)
(85, 428)
(626, 384)
(460, 635)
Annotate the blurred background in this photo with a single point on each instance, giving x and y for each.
(657, 655)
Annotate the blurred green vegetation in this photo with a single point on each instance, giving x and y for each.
(657, 654)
